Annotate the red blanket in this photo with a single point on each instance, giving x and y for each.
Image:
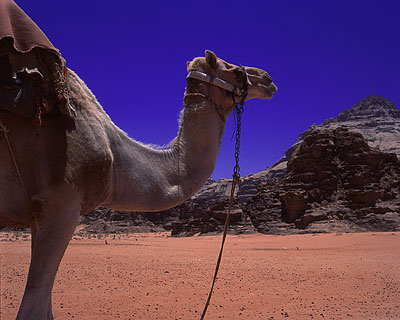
(14, 23)
(19, 34)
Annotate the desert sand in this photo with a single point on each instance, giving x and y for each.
(155, 276)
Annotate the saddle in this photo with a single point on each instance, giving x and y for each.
(33, 75)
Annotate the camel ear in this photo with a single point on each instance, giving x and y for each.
(188, 64)
(211, 59)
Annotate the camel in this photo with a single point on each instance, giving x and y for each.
(75, 165)
(71, 164)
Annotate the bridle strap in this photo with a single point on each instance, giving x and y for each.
(216, 82)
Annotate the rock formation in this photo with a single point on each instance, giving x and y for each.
(336, 178)
(376, 118)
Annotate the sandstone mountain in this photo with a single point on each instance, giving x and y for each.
(353, 196)
(336, 179)
(376, 118)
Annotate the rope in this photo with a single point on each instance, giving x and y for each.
(234, 183)
(5, 134)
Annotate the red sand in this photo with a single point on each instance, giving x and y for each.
(153, 276)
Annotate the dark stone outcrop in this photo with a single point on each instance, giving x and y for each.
(293, 204)
(334, 175)
(204, 216)
(376, 118)
(104, 220)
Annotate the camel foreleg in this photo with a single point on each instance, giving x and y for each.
(50, 237)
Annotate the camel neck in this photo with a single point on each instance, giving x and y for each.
(150, 179)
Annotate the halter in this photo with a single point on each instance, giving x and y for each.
(220, 83)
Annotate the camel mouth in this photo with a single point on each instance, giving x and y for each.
(268, 89)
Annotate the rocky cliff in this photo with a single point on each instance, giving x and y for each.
(335, 181)
(376, 118)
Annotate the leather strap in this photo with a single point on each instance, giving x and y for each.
(215, 81)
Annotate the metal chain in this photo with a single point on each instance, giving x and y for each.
(236, 170)
(239, 111)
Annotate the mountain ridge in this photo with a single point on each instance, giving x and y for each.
(375, 117)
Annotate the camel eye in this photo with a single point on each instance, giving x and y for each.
(227, 66)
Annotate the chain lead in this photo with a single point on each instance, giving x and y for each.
(236, 170)
(239, 108)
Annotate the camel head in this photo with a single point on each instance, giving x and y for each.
(227, 84)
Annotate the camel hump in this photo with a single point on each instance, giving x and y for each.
(28, 59)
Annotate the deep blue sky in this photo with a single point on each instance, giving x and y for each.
(324, 56)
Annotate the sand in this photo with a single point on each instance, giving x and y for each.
(154, 276)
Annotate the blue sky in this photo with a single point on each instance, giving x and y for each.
(324, 56)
